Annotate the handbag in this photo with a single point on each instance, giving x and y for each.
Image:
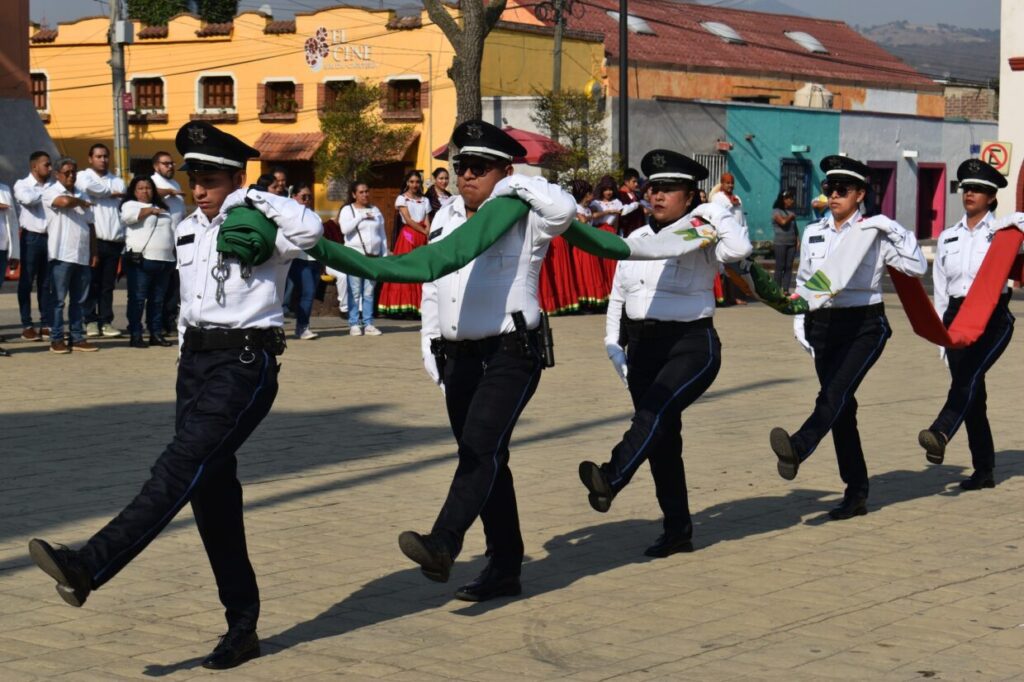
(362, 243)
(136, 257)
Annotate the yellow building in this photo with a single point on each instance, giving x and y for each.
(265, 81)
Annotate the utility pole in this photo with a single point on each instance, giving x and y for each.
(623, 85)
(556, 77)
(120, 34)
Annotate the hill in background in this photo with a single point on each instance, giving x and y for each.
(941, 51)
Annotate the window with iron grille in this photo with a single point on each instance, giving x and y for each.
(716, 165)
(279, 97)
(218, 92)
(795, 175)
(333, 90)
(39, 91)
(149, 94)
(404, 95)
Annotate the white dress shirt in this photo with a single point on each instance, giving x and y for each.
(363, 229)
(175, 202)
(67, 229)
(28, 192)
(9, 240)
(477, 301)
(724, 200)
(677, 289)
(152, 236)
(898, 249)
(611, 219)
(958, 256)
(98, 190)
(253, 302)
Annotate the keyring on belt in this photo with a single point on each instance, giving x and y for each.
(247, 356)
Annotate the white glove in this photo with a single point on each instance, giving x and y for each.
(618, 357)
(430, 363)
(1015, 219)
(713, 213)
(889, 228)
(264, 203)
(801, 337)
(942, 356)
(518, 185)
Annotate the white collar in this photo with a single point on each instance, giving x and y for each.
(830, 221)
(985, 222)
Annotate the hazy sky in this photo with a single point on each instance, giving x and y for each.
(969, 13)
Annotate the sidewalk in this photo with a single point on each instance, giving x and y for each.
(930, 584)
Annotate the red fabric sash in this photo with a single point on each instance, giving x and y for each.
(1001, 263)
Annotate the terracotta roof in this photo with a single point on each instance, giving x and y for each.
(210, 30)
(44, 35)
(414, 135)
(152, 32)
(680, 41)
(404, 23)
(288, 146)
(279, 27)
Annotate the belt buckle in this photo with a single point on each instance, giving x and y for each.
(247, 356)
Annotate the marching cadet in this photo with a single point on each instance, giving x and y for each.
(664, 310)
(230, 328)
(961, 250)
(481, 345)
(847, 337)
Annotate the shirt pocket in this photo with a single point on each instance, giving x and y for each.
(185, 252)
(816, 252)
(951, 257)
(677, 277)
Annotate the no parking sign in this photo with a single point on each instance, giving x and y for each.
(997, 155)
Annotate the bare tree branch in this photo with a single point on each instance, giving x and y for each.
(439, 15)
(492, 14)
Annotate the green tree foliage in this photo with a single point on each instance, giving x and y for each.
(355, 136)
(158, 12)
(216, 11)
(578, 122)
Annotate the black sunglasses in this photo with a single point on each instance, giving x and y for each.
(476, 165)
(840, 189)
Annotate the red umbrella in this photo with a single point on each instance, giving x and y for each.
(538, 147)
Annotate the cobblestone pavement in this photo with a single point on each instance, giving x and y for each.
(930, 584)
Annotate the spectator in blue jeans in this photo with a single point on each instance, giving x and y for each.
(9, 247)
(304, 273)
(149, 259)
(71, 246)
(362, 224)
(28, 192)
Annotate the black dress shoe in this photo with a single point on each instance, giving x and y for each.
(234, 648)
(850, 507)
(934, 444)
(490, 584)
(430, 553)
(4, 353)
(62, 564)
(668, 544)
(138, 342)
(782, 445)
(979, 480)
(159, 340)
(596, 481)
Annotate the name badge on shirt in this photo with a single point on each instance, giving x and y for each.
(947, 240)
(186, 239)
(816, 239)
(435, 233)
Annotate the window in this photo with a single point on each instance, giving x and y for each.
(795, 175)
(149, 94)
(333, 89)
(218, 92)
(634, 24)
(279, 98)
(723, 31)
(806, 41)
(403, 95)
(39, 91)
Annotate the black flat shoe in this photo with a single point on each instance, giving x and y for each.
(850, 507)
(234, 648)
(489, 585)
(434, 559)
(159, 340)
(782, 446)
(934, 444)
(596, 481)
(138, 342)
(62, 564)
(979, 480)
(4, 353)
(668, 544)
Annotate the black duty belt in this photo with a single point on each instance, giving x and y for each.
(1004, 300)
(508, 343)
(199, 340)
(656, 329)
(856, 312)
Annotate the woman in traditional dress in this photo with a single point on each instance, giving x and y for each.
(398, 298)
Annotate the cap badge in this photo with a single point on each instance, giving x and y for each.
(196, 135)
(474, 131)
(658, 160)
(974, 165)
(835, 162)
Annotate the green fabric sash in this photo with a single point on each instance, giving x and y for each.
(248, 235)
(755, 280)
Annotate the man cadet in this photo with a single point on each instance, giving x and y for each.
(230, 332)
(847, 337)
(483, 321)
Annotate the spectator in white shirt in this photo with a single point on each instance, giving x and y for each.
(304, 273)
(362, 224)
(149, 260)
(104, 191)
(28, 192)
(9, 247)
(168, 189)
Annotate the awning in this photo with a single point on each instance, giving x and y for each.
(538, 147)
(288, 146)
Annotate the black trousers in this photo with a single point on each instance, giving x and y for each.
(846, 343)
(784, 255)
(966, 400)
(104, 278)
(221, 400)
(666, 375)
(485, 393)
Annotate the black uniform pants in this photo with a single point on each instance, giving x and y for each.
(104, 278)
(666, 374)
(221, 400)
(846, 343)
(485, 393)
(966, 400)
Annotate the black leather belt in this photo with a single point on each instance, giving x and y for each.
(656, 329)
(851, 313)
(509, 343)
(1004, 299)
(199, 340)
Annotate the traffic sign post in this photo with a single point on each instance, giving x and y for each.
(997, 154)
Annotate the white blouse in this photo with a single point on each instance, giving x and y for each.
(418, 208)
(152, 235)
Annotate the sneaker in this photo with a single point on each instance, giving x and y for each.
(111, 332)
(30, 334)
(370, 330)
(308, 334)
(44, 333)
(92, 330)
(85, 346)
(59, 347)
(355, 330)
